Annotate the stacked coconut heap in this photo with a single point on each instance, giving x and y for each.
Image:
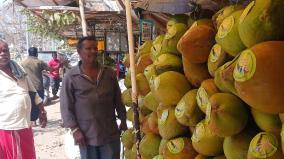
(213, 89)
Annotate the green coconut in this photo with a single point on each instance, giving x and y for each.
(265, 146)
(178, 18)
(149, 146)
(196, 43)
(179, 148)
(259, 77)
(169, 87)
(128, 138)
(281, 116)
(267, 122)
(127, 79)
(150, 71)
(130, 115)
(158, 157)
(168, 125)
(228, 35)
(224, 79)
(126, 97)
(142, 84)
(172, 37)
(205, 142)
(195, 73)
(262, 21)
(168, 62)
(145, 48)
(205, 91)
(216, 59)
(142, 109)
(226, 114)
(187, 111)
(157, 46)
(224, 13)
(282, 137)
(162, 146)
(143, 61)
(236, 147)
(151, 102)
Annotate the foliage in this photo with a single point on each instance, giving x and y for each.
(51, 23)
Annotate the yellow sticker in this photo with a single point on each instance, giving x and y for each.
(226, 27)
(215, 53)
(164, 116)
(208, 112)
(179, 110)
(199, 132)
(245, 67)
(176, 146)
(202, 98)
(246, 12)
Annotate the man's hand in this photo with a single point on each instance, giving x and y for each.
(123, 126)
(79, 137)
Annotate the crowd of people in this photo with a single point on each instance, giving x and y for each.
(90, 102)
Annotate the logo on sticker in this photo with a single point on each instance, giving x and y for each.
(215, 53)
(199, 132)
(245, 67)
(179, 111)
(176, 146)
(164, 116)
(202, 98)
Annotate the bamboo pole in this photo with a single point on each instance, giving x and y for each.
(83, 19)
(133, 75)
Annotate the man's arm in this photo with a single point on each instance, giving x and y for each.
(120, 108)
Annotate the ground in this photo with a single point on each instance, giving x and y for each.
(49, 141)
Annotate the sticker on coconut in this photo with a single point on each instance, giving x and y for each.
(246, 12)
(202, 98)
(198, 132)
(208, 112)
(179, 111)
(164, 117)
(245, 67)
(176, 146)
(263, 145)
(215, 53)
(226, 27)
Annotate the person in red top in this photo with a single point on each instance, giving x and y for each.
(54, 64)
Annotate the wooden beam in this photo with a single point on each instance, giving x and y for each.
(54, 8)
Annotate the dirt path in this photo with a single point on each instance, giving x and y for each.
(49, 141)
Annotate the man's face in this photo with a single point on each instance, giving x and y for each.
(54, 56)
(4, 54)
(88, 52)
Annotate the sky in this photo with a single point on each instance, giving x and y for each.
(3, 2)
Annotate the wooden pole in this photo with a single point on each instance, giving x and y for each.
(83, 19)
(133, 75)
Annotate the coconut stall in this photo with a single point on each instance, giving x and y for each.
(211, 86)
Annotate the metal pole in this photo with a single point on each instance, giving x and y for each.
(133, 75)
(27, 38)
(83, 19)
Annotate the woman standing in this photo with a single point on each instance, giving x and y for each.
(16, 141)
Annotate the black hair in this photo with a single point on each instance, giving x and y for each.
(81, 40)
(33, 51)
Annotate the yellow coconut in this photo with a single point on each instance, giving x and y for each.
(205, 142)
(126, 60)
(149, 146)
(187, 111)
(168, 62)
(267, 122)
(145, 48)
(151, 102)
(143, 62)
(261, 21)
(259, 77)
(169, 87)
(199, 156)
(228, 35)
(216, 59)
(142, 84)
(196, 43)
(265, 146)
(205, 91)
(127, 79)
(168, 125)
(179, 148)
(226, 114)
(158, 157)
(150, 71)
(172, 37)
(153, 123)
(162, 146)
(157, 46)
(178, 18)
(195, 73)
